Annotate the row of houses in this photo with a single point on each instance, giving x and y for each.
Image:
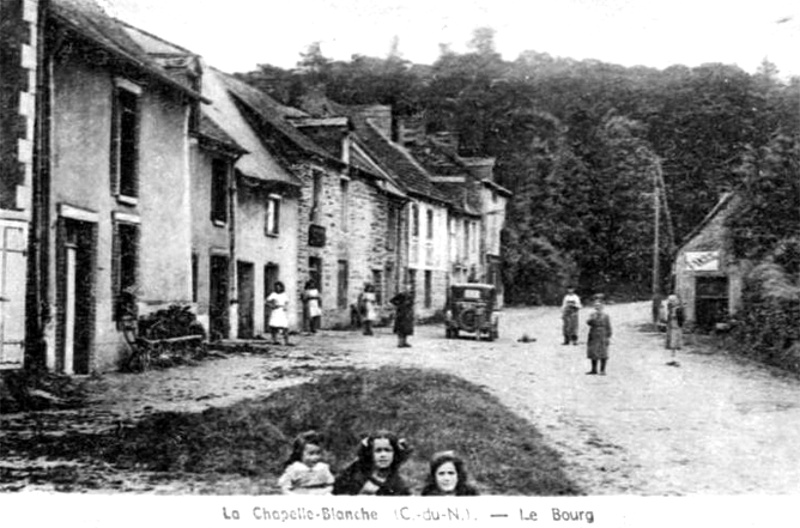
(133, 176)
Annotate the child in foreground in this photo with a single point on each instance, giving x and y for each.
(376, 471)
(447, 477)
(306, 473)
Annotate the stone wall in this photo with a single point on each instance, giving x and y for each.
(357, 237)
(18, 49)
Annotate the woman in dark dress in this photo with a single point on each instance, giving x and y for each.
(376, 470)
(404, 317)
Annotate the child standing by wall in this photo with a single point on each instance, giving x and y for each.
(305, 471)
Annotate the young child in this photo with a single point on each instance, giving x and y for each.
(376, 471)
(278, 319)
(447, 477)
(306, 473)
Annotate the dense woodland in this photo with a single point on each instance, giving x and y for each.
(583, 144)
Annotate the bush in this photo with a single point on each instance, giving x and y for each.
(768, 326)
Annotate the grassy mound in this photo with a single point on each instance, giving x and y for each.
(433, 411)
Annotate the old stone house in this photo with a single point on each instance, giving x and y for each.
(111, 188)
(708, 278)
(426, 237)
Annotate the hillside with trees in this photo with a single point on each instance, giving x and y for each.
(582, 144)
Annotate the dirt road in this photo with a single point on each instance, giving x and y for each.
(709, 426)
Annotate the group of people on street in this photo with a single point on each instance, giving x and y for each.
(367, 306)
(375, 471)
(600, 332)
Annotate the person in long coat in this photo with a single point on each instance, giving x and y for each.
(675, 319)
(570, 307)
(404, 317)
(599, 336)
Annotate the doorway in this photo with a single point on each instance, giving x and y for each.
(711, 301)
(218, 298)
(245, 277)
(76, 299)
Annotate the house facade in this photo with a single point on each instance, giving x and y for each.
(708, 278)
(136, 177)
(113, 206)
(19, 44)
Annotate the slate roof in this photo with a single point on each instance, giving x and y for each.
(397, 161)
(89, 20)
(707, 234)
(274, 113)
(257, 163)
(209, 129)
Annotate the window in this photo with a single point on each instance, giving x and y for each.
(125, 140)
(414, 220)
(344, 185)
(430, 223)
(125, 266)
(342, 284)
(412, 280)
(391, 227)
(272, 225)
(428, 288)
(316, 196)
(377, 282)
(219, 191)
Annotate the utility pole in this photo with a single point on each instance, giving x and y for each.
(656, 288)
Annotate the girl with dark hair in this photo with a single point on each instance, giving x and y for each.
(376, 470)
(448, 477)
(305, 472)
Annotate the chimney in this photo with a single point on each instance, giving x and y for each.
(411, 129)
(480, 168)
(381, 117)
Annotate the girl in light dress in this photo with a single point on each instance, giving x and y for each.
(369, 309)
(311, 298)
(306, 473)
(278, 319)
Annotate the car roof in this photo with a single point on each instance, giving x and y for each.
(475, 285)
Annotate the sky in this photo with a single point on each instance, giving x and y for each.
(237, 35)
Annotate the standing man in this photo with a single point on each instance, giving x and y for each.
(569, 315)
(599, 337)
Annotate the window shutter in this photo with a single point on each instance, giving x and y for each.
(115, 272)
(114, 147)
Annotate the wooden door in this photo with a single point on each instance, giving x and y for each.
(246, 291)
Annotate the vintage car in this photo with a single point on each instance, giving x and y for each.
(472, 308)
